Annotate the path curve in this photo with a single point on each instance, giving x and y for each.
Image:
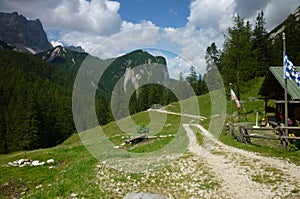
(246, 174)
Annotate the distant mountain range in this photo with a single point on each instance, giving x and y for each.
(18, 33)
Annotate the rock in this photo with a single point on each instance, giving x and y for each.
(50, 161)
(27, 163)
(72, 196)
(143, 196)
(12, 164)
(37, 163)
(39, 186)
(21, 161)
(25, 34)
(78, 49)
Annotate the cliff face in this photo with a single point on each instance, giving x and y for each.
(26, 35)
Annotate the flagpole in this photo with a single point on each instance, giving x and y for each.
(285, 88)
(230, 84)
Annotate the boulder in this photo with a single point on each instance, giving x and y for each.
(50, 161)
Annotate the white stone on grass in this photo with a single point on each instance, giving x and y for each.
(50, 161)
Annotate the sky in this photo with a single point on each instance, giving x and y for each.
(180, 30)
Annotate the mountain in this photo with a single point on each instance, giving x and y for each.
(63, 56)
(124, 66)
(140, 78)
(25, 35)
(76, 49)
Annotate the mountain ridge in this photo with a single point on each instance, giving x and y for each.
(26, 35)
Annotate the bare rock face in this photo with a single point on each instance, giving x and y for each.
(26, 35)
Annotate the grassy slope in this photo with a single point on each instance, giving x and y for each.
(73, 172)
(75, 169)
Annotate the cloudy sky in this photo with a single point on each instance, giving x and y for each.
(179, 29)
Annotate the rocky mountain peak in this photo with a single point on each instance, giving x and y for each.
(26, 35)
(78, 49)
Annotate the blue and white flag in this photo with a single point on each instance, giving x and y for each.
(290, 71)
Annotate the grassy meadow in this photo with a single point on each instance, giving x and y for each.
(77, 173)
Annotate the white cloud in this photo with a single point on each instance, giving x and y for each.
(192, 47)
(87, 41)
(209, 19)
(277, 11)
(56, 43)
(132, 37)
(207, 23)
(211, 14)
(127, 26)
(98, 17)
(177, 65)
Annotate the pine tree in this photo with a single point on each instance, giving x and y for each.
(261, 46)
(212, 77)
(237, 57)
(192, 79)
(103, 111)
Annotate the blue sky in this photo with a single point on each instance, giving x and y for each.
(181, 28)
(163, 13)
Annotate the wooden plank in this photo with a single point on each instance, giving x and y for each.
(262, 129)
(290, 102)
(292, 138)
(289, 127)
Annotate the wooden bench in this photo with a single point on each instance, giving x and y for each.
(136, 139)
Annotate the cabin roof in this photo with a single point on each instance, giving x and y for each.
(273, 85)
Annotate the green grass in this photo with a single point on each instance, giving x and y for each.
(73, 172)
(171, 126)
(293, 156)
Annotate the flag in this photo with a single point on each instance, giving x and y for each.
(233, 97)
(290, 71)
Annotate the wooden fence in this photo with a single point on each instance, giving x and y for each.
(243, 134)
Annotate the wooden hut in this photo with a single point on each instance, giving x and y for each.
(273, 89)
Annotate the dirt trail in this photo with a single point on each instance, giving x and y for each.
(245, 174)
(209, 170)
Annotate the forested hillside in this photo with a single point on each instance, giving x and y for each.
(35, 111)
(36, 94)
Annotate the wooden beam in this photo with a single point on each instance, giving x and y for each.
(288, 127)
(260, 129)
(288, 137)
(290, 102)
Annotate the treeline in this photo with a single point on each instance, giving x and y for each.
(150, 95)
(35, 112)
(249, 50)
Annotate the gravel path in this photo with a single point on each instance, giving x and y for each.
(245, 174)
(212, 170)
